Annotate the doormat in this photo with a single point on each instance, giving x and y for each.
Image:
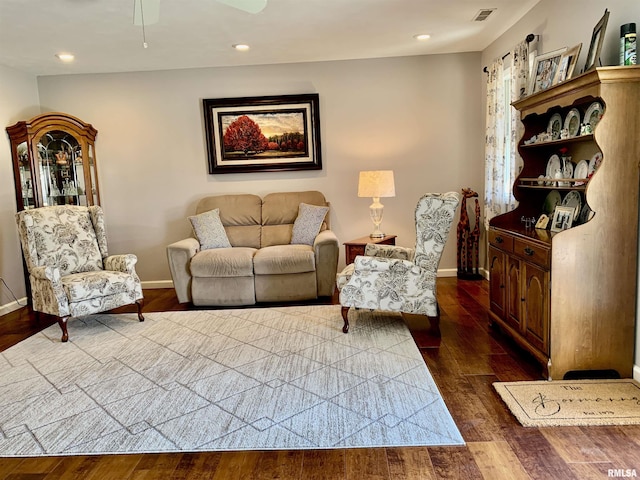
(571, 403)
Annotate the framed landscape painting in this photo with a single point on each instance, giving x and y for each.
(257, 134)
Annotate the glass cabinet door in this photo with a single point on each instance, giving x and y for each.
(25, 176)
(61, 172)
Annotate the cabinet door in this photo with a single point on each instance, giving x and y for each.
(535, 318)
(497, 281)
(514, 295)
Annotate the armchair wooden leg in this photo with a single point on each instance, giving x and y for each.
(140, 304)
(434, 322)
(62, 321)
(345, 316)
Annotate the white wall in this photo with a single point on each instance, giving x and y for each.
(565, 24)
(420, 116)
(18, 101)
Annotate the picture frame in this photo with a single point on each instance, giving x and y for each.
(597, 38)
(567, 64)
(543, 222)
(544, 70)
(263, 134)
(562, 218)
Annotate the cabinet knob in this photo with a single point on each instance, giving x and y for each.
(499, 240)
(528, 251)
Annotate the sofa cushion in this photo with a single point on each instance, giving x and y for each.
(91, 285)
(209, 231)
(279, 212)
(308, 223)
(240, 214)
(283, 259)
(223, 262)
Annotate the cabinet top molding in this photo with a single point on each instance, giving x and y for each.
(52, 119)
(585, 84)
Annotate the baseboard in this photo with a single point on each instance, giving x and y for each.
(452, 272)
(447, 272)
(13, 306)
(158, 284)
(636, 372)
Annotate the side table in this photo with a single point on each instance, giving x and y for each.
(356, 247)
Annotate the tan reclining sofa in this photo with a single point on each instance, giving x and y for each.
(261, 264)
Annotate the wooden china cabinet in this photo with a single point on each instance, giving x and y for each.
(54, 161)
(569, 297)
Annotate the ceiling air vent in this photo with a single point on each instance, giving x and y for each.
(482, 15)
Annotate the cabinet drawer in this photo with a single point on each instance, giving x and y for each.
(501, 241)
(532, 252)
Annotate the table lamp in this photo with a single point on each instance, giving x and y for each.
(376, 184)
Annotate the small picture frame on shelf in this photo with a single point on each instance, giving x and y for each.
(544, 70)
(597, 38)
(543, 222)
(562, 218)
(567, 64)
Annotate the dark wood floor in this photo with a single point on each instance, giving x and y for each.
(465, 361)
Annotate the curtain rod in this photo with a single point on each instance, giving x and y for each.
(530, 38)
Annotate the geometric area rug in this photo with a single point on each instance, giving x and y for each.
(215, 380)
(572, 402)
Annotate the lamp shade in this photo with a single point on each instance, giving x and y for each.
(376, 184)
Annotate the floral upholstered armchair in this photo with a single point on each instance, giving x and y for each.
(70, 271)
(401, 279)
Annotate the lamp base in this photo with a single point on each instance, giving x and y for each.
(375, 211)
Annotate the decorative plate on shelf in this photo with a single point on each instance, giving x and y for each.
(555, 125)
(593, 114)
(586, 214)
(553, 166)
(581, 171)
(572, 122)
(567, 170)
(553, 199)
(573, 199)
(594, 163)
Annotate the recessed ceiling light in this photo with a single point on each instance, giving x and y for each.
(241, 46)
(422, 36)
(65, 57)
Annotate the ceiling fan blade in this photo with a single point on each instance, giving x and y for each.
(250, 6)
(147, 10)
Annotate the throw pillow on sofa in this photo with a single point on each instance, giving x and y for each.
(308, 223)
(208, 229)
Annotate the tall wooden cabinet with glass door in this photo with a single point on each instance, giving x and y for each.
(54, 161)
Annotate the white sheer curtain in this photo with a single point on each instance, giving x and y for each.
(503, 131)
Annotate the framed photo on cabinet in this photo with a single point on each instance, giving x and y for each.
(258, 134)
(562, 218)
(567, 64)
(597, 38)
(544, 70)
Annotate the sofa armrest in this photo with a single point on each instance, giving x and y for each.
(47, 291)
(389, 251)
(179, 255)
(52, 274)
(364, 264)
(124, 263)
(326, 250)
